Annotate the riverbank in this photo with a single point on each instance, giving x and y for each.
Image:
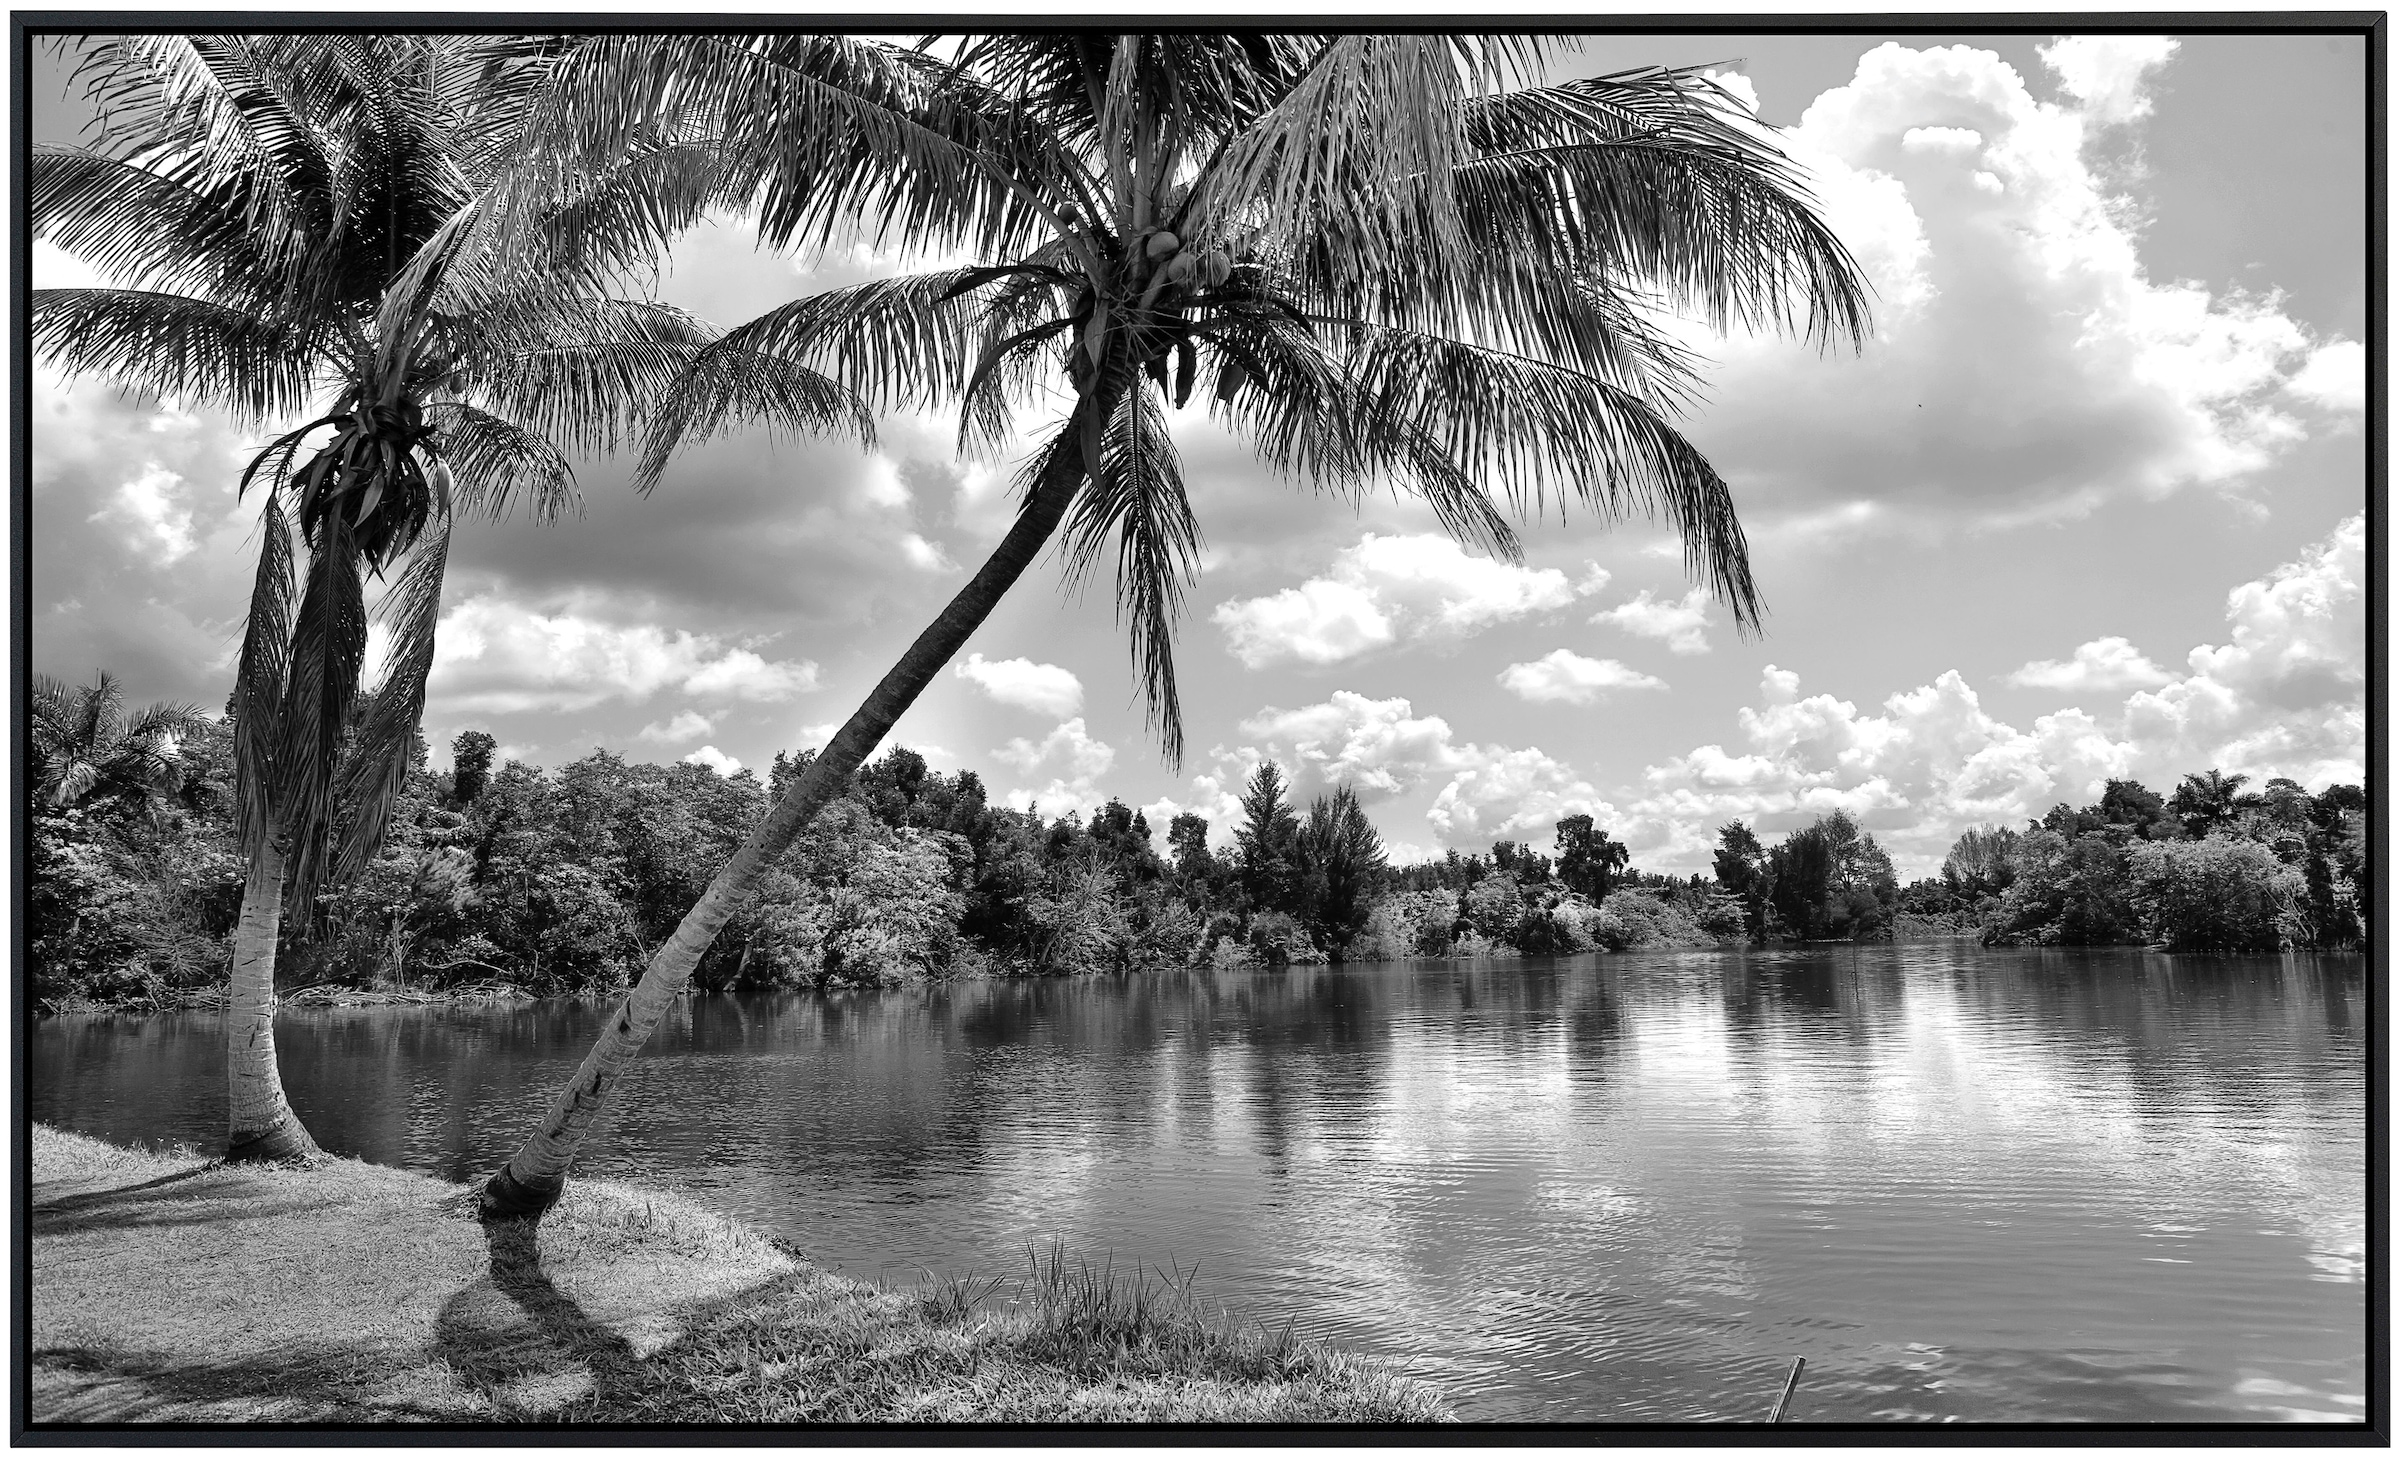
(168, 1288)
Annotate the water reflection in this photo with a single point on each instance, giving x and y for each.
(1965, 1185)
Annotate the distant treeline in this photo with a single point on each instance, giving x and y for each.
(564, 881)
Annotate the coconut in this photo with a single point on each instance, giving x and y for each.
(1180, 268)
(1215, 268)
(1161, 244)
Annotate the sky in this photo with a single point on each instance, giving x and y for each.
(2089, 504)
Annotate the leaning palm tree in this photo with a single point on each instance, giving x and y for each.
(299, 223)
(1378, 259)
(85, 742)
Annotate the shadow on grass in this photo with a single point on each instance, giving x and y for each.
(67, 1204)
(109, 1385)
(538, 1362)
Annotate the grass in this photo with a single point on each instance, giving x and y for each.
(168, 1288)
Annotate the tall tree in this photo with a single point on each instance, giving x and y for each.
(1267, 841)
(1587, 857)
(1345, 863)
(1379, 259)
(297, 224)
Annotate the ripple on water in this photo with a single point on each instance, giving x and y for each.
(1966, 1185)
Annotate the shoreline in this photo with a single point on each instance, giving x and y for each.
(327, 996)
(168, 1287)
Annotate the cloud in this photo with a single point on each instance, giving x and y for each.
(690, 724)
(149, 504)
(1072, 759)
(1384, 588)
(2335, 378)
(2100, 665)
(716, 759)
(492, 655)
(1684, 624)
(1564, 677)
(1044, 688)
(2108, 73)
(1980, 213)
(2285, 695)
(1512, 792)
(1383, 749)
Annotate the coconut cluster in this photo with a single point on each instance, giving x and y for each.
(1184, 268)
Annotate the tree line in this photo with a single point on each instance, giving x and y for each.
(566, 881)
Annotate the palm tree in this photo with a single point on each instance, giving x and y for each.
(1379, 259)
(85, 743)
(301, 219)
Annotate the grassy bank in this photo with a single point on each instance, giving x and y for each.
(170, 1289)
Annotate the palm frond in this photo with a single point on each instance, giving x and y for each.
(169, 345)
(580, 372)
(1548, 434)
(259, 682)
(329, 647)
(376, 766)
(1137, 498)
(149, 229)
(496, 463)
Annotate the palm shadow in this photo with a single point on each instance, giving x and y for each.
(498, 1357)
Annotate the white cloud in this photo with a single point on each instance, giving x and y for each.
(690, 724)
(1382, 749)
(1684, 624)
(1564, 677)
(495, 656)
(2108, 73)
(1044, 688)
(716, 759)
(2335, 377)
(1977, 214)
(2098, 666)
(1512, 793)
(2285, 696)
(150, 505)
(1385, 588)
(924, 555)
(1072, 759)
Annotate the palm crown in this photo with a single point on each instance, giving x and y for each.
(299, 219)
(1377, 259)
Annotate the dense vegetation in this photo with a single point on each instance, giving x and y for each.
(560, 881)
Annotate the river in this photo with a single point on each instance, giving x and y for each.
(1966, 1185)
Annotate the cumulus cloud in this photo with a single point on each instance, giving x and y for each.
(1683, 624)
(1383, 749)
(2335, 378)
(1977, 213)
(690, 724)
(1044, 688)
(715, 758)
(1564, 677)
(492, 655)
(2100, 665)
(150, 506)
(2108, 73)
(1386, 588)
(2285, 695)
(1074, 762)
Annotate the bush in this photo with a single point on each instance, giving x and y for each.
(2216, 895)
(1410, 924)
(1632, 920)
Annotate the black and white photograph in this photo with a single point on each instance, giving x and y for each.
(1448, 729)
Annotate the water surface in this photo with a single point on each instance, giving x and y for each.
(1966, 1185)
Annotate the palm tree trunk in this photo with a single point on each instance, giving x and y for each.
(534, 1177)
(260, 1122)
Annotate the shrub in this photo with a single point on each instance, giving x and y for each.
(1631, 920)
(1410, 924)
(2216, 895)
